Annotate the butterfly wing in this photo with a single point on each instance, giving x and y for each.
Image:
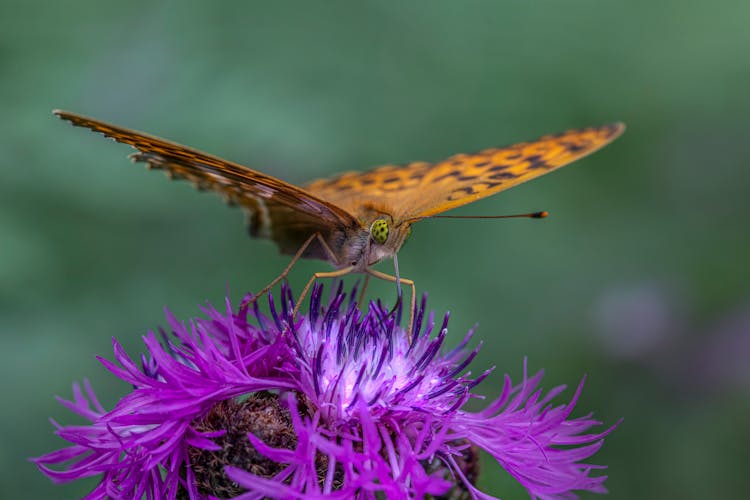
(286, 214)
(422, 189)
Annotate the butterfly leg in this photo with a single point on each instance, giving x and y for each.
(400, 298)
(393, 279)
(285, 272)
(362, 292)
(332, 274)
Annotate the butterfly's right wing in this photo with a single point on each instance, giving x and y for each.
(416, 190)
(286, 214)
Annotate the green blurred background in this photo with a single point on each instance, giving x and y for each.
(639, 278)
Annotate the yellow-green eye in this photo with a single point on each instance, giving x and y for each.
(379, 231)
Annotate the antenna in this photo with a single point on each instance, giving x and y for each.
(531, 215)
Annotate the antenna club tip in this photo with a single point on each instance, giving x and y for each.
(540, 215)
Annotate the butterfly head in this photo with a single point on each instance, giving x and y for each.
(385, 239)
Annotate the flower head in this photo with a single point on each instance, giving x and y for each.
(336, 403)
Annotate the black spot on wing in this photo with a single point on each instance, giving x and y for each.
(498, 168)
(573, 147)
(462, 192)
(536, 162)
(448, 175)
(499, 176)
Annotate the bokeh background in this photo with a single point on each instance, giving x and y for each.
(640, 278)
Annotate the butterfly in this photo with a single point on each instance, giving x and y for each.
(356, 219)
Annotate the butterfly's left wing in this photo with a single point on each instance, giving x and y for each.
(286, 214)
(422, 189)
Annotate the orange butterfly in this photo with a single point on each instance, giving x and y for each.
(355, 220)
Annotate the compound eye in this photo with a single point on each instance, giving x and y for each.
(379, 231)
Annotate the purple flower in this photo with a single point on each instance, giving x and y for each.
(336, 404)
